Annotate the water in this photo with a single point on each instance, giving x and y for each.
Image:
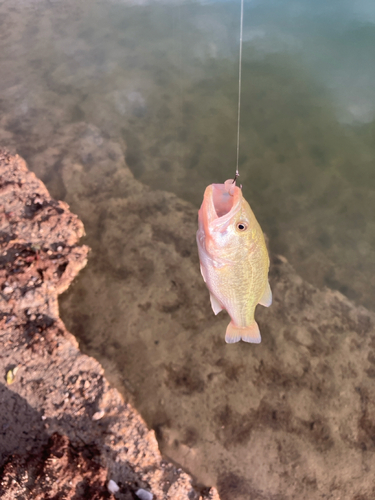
(158, 83)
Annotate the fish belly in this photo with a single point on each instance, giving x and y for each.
(238, 287)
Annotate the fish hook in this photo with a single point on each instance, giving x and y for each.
(235, 179)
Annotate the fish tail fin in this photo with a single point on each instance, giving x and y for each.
(249, 333)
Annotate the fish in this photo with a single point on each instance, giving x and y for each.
(234, 260)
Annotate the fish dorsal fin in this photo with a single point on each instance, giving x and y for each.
(266, 299)
(215, 304)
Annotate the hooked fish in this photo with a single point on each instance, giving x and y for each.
(234, 259)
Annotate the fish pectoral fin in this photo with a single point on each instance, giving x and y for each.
(266, 299)
(249, 333)
(215, 304)
(202, 273)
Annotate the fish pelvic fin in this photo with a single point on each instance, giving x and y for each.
(266, 299)
(249, 333)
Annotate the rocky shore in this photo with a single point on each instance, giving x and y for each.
(64, 431)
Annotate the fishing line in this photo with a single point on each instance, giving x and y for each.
(239, 93)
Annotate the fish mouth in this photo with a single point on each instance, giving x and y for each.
(222, 202)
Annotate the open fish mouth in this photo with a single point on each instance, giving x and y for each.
(223, 202)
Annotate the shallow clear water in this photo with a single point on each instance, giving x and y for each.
(159, 81)
(162, 78)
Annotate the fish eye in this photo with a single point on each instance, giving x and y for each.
(242, 226)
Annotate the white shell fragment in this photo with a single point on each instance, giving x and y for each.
(112, 486)
(144, 494)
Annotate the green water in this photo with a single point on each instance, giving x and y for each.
(162, 80)
(159, 81)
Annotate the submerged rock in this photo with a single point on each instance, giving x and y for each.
(64, 429)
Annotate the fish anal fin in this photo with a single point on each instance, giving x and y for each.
(266, 299)
(215, 304)
(249, 333)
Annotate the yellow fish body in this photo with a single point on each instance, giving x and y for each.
(234, 259)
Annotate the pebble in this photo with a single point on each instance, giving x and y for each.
(59, 249)
(8, 289)
(98, 415)
(144, 494)
(112, 486)
(11, 375)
